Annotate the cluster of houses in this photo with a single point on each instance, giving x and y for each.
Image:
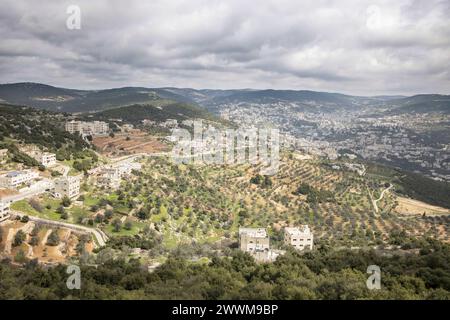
(87, 127)
(256, 241)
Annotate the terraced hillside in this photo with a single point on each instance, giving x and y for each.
(207, 204)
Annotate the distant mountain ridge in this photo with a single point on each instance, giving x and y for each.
(72, 100)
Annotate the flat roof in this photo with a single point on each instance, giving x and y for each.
(253, 232)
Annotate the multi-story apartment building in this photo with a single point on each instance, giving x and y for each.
(110, 177)
(47, 159)
(253, 239)
(4, 210)
(95, 127)
(14, 179)
(74, 126)
(300, 238)
(67, 186)
(90, 128)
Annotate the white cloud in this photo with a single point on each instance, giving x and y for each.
(359, 47)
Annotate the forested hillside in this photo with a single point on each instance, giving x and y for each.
(44, 129)
(322, 274)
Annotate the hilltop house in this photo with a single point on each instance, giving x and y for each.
(67, 186)
(256, 242)
(300, 238)
(253, 239)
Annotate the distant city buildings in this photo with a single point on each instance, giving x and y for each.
(87, 128)
(67, 186)
(14, 179)
(300, 238)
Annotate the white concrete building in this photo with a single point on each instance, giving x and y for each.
(95, 127)
(110, 177)
(126, 168)
(47, 159)
(253, 239)
(67, 186)
(14, 179)
(4, 210)
(74, 126)
(88, 128)
(300, 238)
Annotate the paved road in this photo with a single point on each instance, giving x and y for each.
(34, 190)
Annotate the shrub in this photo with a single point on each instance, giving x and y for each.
(53, 238)
(19, 238)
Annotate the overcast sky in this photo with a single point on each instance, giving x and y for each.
(355, 47)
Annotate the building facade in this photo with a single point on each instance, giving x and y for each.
(4, 210)
(47, 159)
(253, 239)
(87, 128)
(67, 186)
(14, 179)
(300, 238)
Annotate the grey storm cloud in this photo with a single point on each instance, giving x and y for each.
(352, 46)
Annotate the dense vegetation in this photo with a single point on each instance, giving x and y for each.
(158, 111)
(314, 195)
(31, 126)
(322, 274)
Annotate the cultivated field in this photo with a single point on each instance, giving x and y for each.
(135, 141)
(415, 207)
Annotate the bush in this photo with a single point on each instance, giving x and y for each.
(20, 257)
(117, 225)
(53, 238)
(128, 225)
(66, 201)
(19, 238)
(34, 241)
(25, 219)
(35, 205)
